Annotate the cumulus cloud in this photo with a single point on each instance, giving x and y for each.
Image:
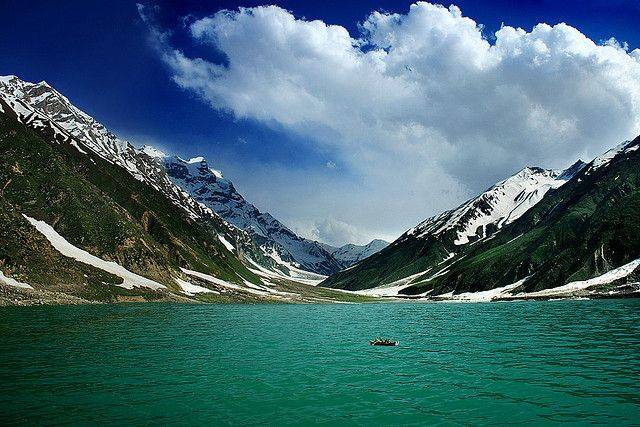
(334, 232)
(422, 106)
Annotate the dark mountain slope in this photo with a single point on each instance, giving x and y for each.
(441, 238)
(100, 208)
(578, 231)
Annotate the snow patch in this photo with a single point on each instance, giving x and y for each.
(216, 173)
(191, 289)
(608, 277)
(223, 283)
(77, 147)
(130, 280)
(13, 282)
(488, 295)
(226, 243)
(153, 152)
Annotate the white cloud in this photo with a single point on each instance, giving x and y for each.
(330, 165)
(421, 107)
(333, 232)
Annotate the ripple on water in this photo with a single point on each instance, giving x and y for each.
(575, 361)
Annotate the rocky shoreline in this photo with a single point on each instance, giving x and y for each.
(12, 296)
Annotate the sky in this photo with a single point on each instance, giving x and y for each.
(345, 120)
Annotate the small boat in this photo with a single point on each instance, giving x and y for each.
(384, 342)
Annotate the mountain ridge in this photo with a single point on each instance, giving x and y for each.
(350, 254)
(570, 241)
(41, 106)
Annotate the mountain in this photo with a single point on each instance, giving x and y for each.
(350, 254)
(439, 238)
(501, 204)
(580, 238)
(85, 216)
(191, 185)
(74, 223)
(209, 187)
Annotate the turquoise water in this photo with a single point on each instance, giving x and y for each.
(536, 362)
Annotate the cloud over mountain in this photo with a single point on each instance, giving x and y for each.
(424, 106)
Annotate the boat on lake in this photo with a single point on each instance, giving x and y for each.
(383, 342)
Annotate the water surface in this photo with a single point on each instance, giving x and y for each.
(536, 362)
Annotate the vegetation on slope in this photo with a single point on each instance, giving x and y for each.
(581, 230)
(100, 208)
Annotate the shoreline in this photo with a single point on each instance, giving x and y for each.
(19, 297)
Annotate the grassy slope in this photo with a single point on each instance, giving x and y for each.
(392, 263)
(581, 230)
(99, 208)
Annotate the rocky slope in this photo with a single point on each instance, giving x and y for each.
(350, 254)
(442, 237)
(191, 185)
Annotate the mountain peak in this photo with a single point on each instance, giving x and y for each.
(530, 171)
(153, 152)
(572, 170)
(198, 159)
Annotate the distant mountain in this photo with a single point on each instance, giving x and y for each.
(209, 187)
(350, 254)
(539, 233)
(439, 238)
(192, 185)
(85, 216)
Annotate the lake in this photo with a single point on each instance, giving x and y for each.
(534, 362)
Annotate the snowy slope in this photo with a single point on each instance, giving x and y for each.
(605, 159)
(129, 279)
(499, 205)
(351, 254)
(209, 187)
(190, 184)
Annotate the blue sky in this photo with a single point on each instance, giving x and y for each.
(100, 55)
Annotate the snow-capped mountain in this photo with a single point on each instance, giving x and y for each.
(442, 239)
(41, 107)
(192, 185)
(539, 234)
(351, 254)
(209, 187)
(501, 204)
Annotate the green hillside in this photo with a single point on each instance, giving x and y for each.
(581, 230)
(100, 208)
(585, 228)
